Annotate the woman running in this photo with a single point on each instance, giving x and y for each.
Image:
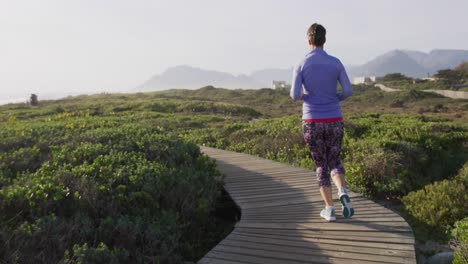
(315, 81)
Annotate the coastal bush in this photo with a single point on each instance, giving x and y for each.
(204, 108)
(417, 85)
(460, 241)
(79, 188)
(394, 77)
(441, 204)
(398, 154)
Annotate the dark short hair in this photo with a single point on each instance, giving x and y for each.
(316, 33)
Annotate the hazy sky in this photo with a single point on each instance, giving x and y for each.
(96, 45)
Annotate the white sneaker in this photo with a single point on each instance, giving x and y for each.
(328, 214)
(346, 204)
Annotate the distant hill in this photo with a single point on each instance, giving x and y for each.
(408, 62)
(393, 61)
(267, 75)
(443, 59)
(190, 78)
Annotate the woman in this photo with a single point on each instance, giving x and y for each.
(315, 81)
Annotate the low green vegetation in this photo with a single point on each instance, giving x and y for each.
(440, 205)
(418, 85)
(271, 103)
(445, 79)
(460, 241)
(120, 177)
(386, 155)
(90, 185)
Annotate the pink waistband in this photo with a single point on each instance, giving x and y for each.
(323, 120)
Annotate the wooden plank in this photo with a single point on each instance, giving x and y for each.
(268, 184)
(316, 217)
(262, 259)
(310, 232)
(298, 187)
(255, 203)
(339, 218)
(227, 160)
(251, 167)
(266, 177)
(379, 213)
(316, 210)
(319, 205)
(242, 164)
(222, 256)
(333, 245)
(263, 169)
(267, 180)
(387, 226)
(268, 197)
(311, 184)
(272, 173)
(280, 202)
(303, 253)
(296, 254)
(344, 238)
(263, 196)
(266, 190)
(209, 260)
(250, 193)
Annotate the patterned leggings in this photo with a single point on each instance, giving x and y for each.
(324, 141)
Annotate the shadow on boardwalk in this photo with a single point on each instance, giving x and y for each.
(280, 220)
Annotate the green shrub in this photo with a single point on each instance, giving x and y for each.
(397, 103)
(204, 108)
(441, 204)
(373, 170)
(460, 241)
(99, 254)
(394, 77)
(105, 189)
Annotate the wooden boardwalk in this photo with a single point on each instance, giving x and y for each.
(280, 220)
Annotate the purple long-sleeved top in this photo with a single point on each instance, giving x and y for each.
(315, 80)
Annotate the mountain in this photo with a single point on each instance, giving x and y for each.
(266, 76)
(417, 56)
(393, 61)
(191, 78)
(410, 63)
(443, 59)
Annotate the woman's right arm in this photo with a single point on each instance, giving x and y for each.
(296, 84)
(345, 83)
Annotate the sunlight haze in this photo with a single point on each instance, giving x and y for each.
(57, 47)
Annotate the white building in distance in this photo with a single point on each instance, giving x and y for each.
(364, 79)
(280, 85)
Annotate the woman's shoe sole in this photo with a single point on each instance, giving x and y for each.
(347, 211)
